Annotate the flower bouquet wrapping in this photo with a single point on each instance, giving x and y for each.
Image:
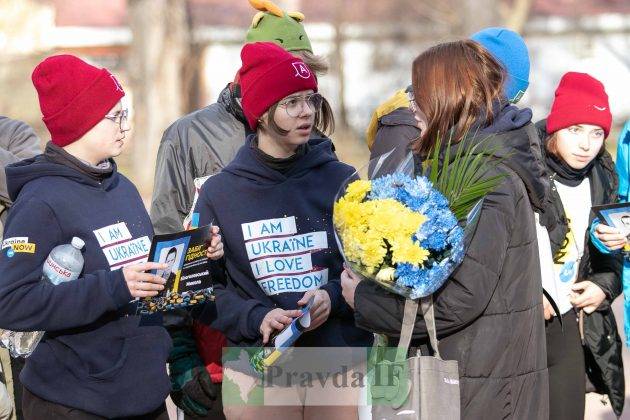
(409, 233)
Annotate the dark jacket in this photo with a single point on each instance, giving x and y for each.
(279, 242)
(604, 365)
(489, 313)
(392, 130)
(17, 141)
(395, 134)
(96, 355)
(196, 145)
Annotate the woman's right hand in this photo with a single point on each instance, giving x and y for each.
(276, 319)
(143, 284)
(611, 237)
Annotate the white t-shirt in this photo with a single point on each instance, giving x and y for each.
(577, 207)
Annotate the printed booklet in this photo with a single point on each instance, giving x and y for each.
(187, 277)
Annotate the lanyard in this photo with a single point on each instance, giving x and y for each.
(579, 254)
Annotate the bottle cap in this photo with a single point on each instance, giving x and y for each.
(77, 243)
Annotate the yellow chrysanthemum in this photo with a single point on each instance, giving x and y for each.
(347, 213)
(373, 229)
(357, 190)
(406, 251)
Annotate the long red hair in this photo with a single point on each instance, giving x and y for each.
(455, 85)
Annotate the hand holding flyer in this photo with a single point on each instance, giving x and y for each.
(616, 216)
(188, 280)
(267, 356)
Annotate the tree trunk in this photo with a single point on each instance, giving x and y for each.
(518, 15)
(478, 14)
(159, 45)
(193, 83)
(338, 66)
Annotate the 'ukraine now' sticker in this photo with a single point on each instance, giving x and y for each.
(27, 248)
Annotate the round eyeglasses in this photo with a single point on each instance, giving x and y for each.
(294, 106)
(119, 117)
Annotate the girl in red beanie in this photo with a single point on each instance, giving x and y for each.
(274, 206)
(582, 281)
(97, 359)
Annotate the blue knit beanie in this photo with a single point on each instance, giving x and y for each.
(510, 50)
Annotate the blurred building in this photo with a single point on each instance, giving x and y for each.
(371, 45)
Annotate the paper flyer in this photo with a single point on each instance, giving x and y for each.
(188, 280)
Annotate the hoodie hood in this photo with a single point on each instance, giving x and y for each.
(247, 165)
(507, 118)
(230, 98)
(513, 140)
(21, 173)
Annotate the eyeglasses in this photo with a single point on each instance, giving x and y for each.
(119, 117)
(294, 106)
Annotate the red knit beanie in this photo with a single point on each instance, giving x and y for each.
(268, 74)
(73, 96)
(580, 99)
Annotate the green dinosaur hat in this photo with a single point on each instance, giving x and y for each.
(272, 24)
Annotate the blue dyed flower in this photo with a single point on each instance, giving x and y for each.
(422, 281)
(388, 186)
(440, 233)
(426, 280)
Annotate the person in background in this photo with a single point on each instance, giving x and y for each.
(609, 239)
(393, 127)
(193, 148)
(583, 282)
(202, 143)
(17, 141)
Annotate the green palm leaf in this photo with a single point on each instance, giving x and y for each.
(463, 178)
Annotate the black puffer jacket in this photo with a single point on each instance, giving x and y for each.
(602, 350)
(489, 314)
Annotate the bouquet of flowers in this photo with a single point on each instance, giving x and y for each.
(408, 233)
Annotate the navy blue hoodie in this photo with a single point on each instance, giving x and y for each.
(94, 357)
(279, 242)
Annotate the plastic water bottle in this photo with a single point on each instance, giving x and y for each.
(64, 263)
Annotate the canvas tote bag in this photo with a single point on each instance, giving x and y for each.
(418, 387)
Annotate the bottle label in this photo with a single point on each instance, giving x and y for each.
(56, 273)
